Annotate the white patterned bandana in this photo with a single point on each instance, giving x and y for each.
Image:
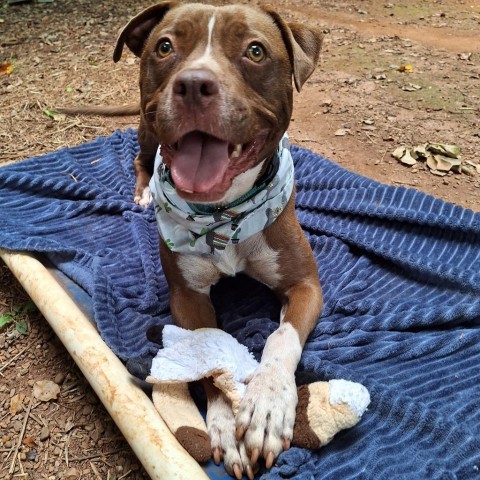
(206, 230)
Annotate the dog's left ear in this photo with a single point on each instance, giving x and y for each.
(303, 44)
(137, 30)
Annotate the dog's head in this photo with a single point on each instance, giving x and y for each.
(216, 88)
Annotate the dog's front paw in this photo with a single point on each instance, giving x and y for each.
(144, 198)
(267, 413)
(221, 428)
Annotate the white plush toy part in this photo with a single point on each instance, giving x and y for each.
(324, 408)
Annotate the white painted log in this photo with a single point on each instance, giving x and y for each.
(133, 412)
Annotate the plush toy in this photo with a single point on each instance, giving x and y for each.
(323, 409)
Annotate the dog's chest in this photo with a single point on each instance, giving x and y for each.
(253, 256)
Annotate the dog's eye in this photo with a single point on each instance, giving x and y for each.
(165, 48)
(255, 53)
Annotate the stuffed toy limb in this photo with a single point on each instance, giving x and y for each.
(323, 409)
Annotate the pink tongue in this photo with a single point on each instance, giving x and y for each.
(199, 163)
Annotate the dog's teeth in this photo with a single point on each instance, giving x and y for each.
(237, 151)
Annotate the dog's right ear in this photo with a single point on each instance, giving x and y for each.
(137, 30)
(303, 45)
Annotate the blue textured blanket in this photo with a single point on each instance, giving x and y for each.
(401, 278)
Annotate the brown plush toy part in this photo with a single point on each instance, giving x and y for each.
(323, 409)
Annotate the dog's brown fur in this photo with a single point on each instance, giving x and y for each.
(240, 98)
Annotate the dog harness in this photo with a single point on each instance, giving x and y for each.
(206, 230)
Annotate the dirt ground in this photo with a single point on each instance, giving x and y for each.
(404, 72)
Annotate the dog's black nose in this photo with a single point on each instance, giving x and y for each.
(196, 86)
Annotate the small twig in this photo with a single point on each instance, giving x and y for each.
(410, 184)
(91, 126)
(68, 127)
(383, 157)
(76, 399)
(398, 106)
(369, 137)
(95, 456)
(125, 475)
(5, 365)
(67, 443)
(38, 419)
(71, 388)
(303, 140)
(20, 437)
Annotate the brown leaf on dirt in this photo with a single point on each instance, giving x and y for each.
(465, 56)
(403, 155)
(411, 87)
(476, 166)
(45, 390)
(452, 151)
(431, 162)
(29, 442)
(438, 157)
(405, 69)
(6, 68)
(445, 164)
(16, 403)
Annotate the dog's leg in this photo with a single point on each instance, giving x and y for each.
(267, 413)
(189, 279)
(143, 165)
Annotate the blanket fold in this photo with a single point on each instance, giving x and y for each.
(400, 271)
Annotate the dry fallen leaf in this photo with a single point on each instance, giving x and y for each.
(452, 151)
(29, 442)
(438, 173)
(16, 403)
(411, 87)
(431, 161)
(465, 56)
(420, 150)
(474, 165)
(445, 164)
(399, 152)
(405, 68)
(57, 117)
(403, 155)
(467, 170)
(6, 68)
(341, 132)
(440, 158)
(45, 390)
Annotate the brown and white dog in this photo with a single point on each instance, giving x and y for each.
(216, 95)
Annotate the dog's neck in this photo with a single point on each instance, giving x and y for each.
(203, 230)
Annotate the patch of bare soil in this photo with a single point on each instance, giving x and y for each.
(356, 109)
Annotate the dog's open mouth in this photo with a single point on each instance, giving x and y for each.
(203, 166)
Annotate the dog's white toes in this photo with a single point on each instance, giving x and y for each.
(144, 199)
(221, 428)
(267, 413)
